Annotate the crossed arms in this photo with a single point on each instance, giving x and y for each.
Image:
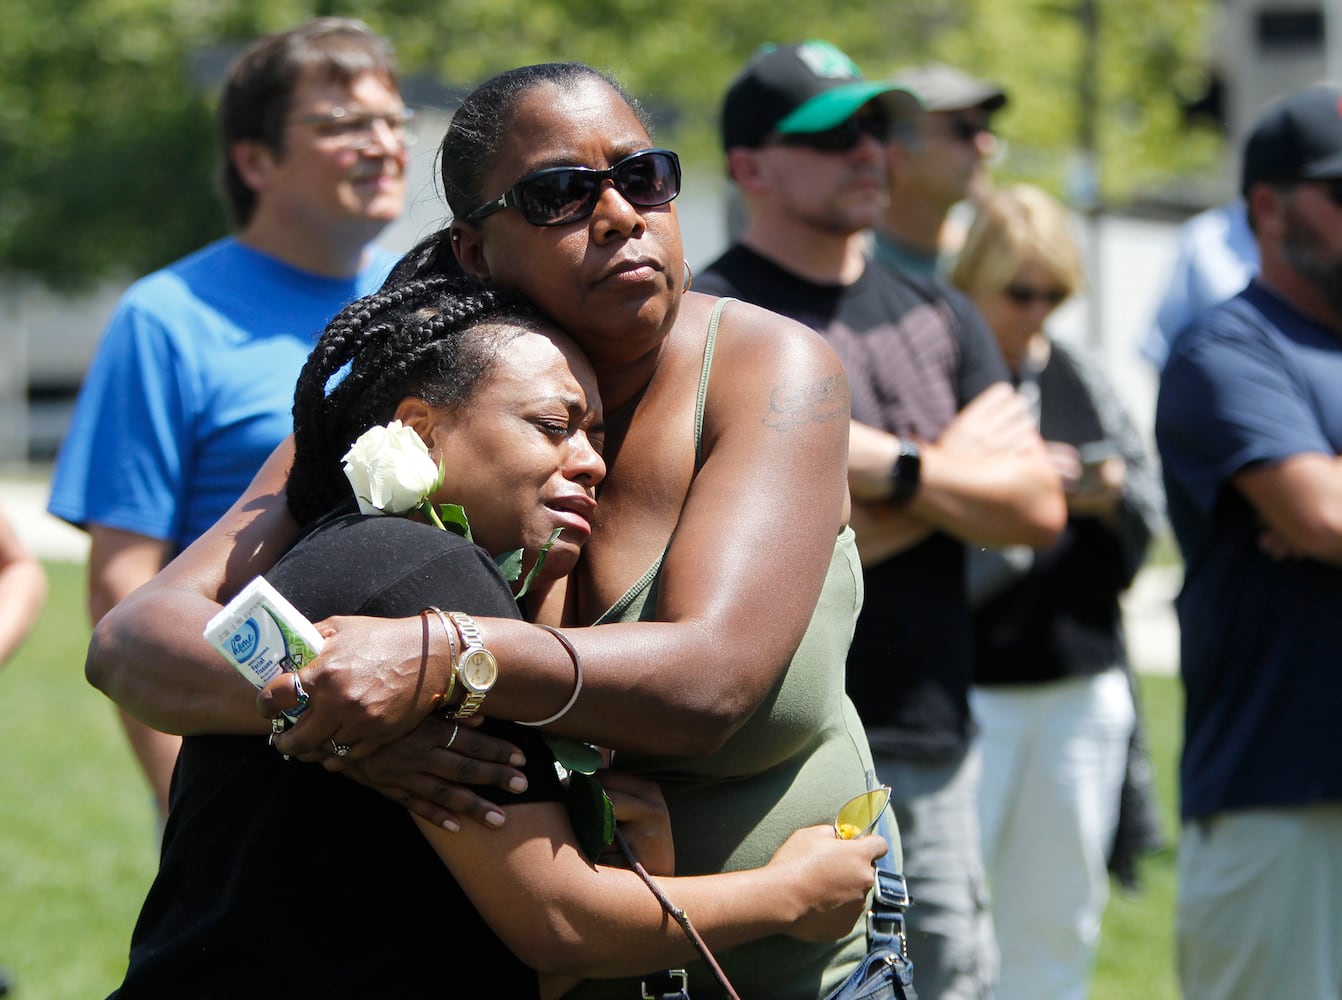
(986, 480)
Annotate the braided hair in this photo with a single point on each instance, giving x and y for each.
(434, 338)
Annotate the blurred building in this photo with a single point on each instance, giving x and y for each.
(1262, 49)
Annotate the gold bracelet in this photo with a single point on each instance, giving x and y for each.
(450, 631)
(577, 677)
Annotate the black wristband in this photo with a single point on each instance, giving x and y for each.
(906, 473)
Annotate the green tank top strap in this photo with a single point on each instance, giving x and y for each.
(703, 380)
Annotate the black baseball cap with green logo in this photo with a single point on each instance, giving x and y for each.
(807, 87)
(1298, 137)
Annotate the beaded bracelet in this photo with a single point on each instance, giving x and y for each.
(577, 678)
(451, 633)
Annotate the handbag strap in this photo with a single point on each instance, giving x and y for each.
(683, 919)
(885, 921)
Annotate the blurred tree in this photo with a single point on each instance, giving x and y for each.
(1152, 64)
(107, 142)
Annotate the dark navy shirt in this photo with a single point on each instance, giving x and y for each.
(1252, 382)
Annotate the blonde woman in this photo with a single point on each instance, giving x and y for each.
(1052, 695)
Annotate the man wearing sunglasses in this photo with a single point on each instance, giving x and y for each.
(942, 451)
(1249, 426)
(192, 385)
(937, 165)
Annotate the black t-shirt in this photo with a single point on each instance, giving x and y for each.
(280, 877)
(916, 352)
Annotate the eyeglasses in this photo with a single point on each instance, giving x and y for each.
(351, 128)
(963, 129)
(842, 138)
(1024, 295)
(557, 196)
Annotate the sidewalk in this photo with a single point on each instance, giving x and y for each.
(1148, 614)
(24, 501)
(1148, 608)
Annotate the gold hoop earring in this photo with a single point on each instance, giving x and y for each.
(689, 276)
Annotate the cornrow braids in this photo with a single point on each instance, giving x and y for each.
(434, 338)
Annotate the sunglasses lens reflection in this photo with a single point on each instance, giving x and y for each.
(556, 195)
(567, 194)
(859, 815)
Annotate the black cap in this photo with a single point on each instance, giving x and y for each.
(795, 89)
(1299, 136)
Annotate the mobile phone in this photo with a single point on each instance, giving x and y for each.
(1093, 454)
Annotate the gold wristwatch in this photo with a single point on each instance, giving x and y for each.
(477, 670)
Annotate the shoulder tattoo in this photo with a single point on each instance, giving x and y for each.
(793, 405)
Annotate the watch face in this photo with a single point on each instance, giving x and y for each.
(479, 669)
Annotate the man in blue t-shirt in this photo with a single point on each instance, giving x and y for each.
(1249, 425)
(192, 385)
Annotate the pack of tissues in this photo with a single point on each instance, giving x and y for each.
(262, 634)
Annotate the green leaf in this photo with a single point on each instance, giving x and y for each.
(510, 565)
(591, 813)
(589, 807)
(574, 754)
(454, 519)
(540, 561)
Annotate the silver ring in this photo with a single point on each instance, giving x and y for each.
(299, 693)
(277, 727)
(456, 728)
(339, 749)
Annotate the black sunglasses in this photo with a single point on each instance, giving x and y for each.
(557, 196)
(842, 138)
(965, 129)
(1332, 187)
(1024, 295)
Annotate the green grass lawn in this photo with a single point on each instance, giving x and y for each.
(1136, 960)
(77, 838)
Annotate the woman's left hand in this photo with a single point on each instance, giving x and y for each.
(644, 820)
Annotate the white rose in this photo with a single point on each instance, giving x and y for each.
(390, 470)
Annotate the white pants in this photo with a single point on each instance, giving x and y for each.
(1260, 905)
(1053, 761)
